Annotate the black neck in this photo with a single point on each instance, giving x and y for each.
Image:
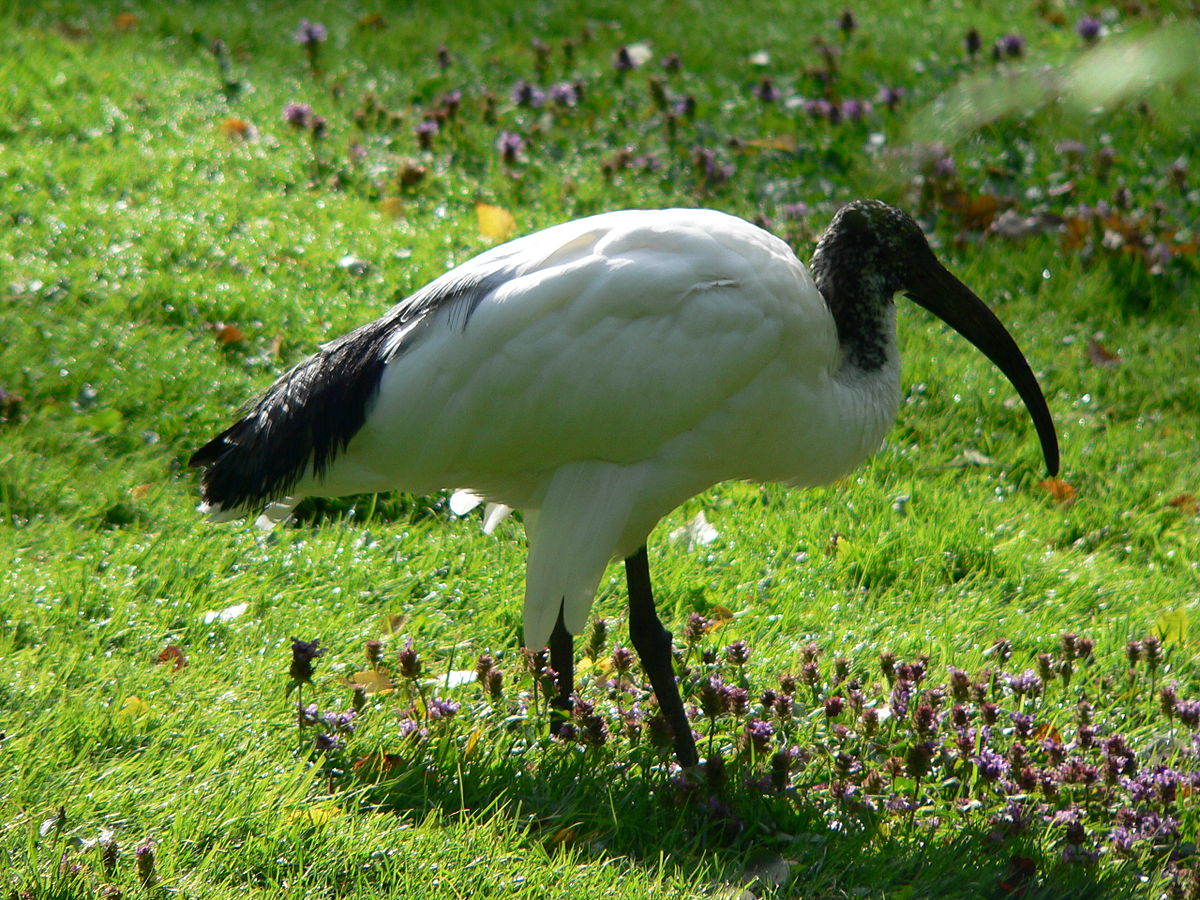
(859, 301)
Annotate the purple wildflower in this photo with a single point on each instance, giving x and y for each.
(671, 62)
(298, 115)
(766, 91)
(818, 108)
(309, 34)
(695, 628)
(990, 764)
(303, 654)
(410, 663)
(889, 97)
(564, 93)
(425, 131)
(759, 734)
(1089, 29)
(143, 856)
(1022, 724)
(327, 743)
(442, 709)
(1027, 682)
(853, 110)
(834, 707)
(622, 61)
(734, 700)
(526, 94)
(738, 653)
(510, 144)
(1011, 46)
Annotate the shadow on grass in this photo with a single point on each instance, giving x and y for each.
(730, 836)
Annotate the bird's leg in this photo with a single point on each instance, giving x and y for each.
(653, 644)
(562, 661)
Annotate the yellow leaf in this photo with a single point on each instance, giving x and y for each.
(133, 707)
(372, 681)
(721, 613)
(391, 623)
(392, 206)
(1173, 625)
(317, 815)
(495, 222)
(472, 741)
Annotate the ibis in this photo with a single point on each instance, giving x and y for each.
(598, 373)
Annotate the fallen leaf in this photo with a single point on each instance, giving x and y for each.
(139, 491)
(1099, 355)
(1185, 503)
(379, 763)
(125, 21)
(173, 655)
(238, 129)
(392, 623)
(720, 613)
(373, 681)
(1047, 730)
(374, 21)
(228, 334)
(134, 707)
(1059, 490)
(1173, 625)
(495, 222)
(392, 206)
(317, 815)
(784, 143)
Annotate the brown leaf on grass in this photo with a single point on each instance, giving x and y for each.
(373, 681)
(411, 173)
(379, 763)
(173, 655)
(125, 21)
(784, 143)
(975, 213)
(228, 334)
(238, 129)
(495, 222)
(392, 207)
(373, 21)
(1185, 503)
(139, 491)
(1099, 355)
(1059, 490)
(1047, 730)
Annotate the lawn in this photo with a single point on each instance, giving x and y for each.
(946, 675)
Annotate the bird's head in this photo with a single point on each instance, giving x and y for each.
(884, 250)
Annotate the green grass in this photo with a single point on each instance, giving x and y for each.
(134, 218)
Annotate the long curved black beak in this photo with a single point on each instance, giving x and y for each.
(934, 288)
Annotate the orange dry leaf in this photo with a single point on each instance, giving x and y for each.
(379, 763)
(372, 681)
(1185, 503)
(238, 129)
(1059, 490)
(125, 21)
(173, 655)
(228, 334)
(495, 222)
(1101, 355)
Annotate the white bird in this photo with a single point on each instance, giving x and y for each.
(597, 374)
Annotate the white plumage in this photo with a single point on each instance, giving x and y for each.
(595, 375)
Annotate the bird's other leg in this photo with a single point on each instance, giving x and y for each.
(653, 644)
(562, 661)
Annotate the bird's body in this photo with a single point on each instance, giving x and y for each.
(595, 375)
